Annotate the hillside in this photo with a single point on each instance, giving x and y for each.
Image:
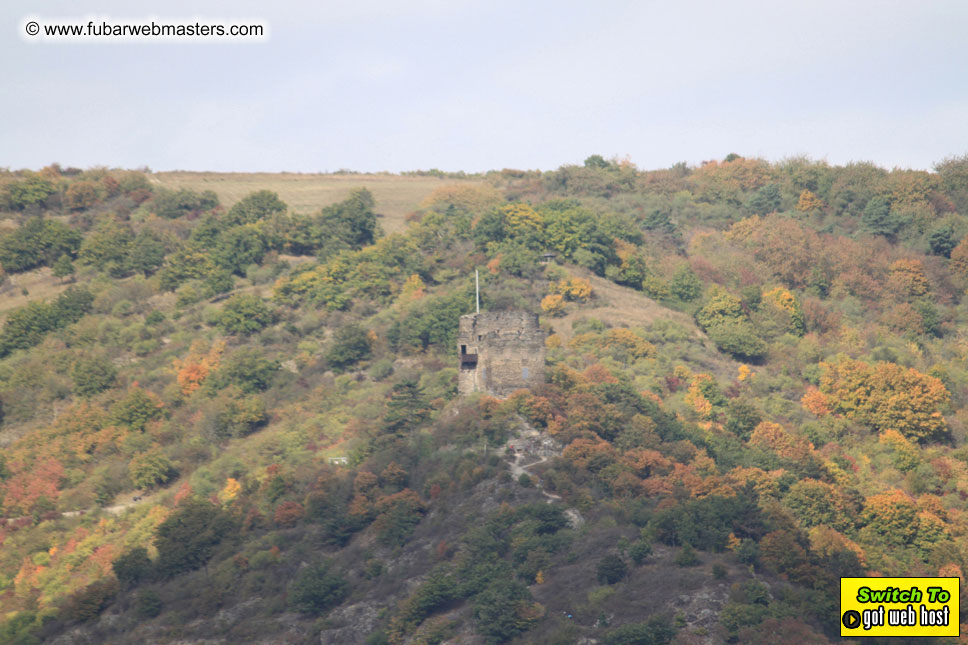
(397, 196)
(230, 410)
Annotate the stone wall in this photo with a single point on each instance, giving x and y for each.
(500, 352)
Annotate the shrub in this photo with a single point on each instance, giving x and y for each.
(148, 604)
(686, 557)
(657, 630)
(639, 551)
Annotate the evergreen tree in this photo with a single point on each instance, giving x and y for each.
(406, 409)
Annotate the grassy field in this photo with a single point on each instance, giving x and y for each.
(396, 196)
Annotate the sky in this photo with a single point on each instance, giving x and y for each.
(393, 85)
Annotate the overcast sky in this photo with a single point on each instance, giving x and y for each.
(475, 85)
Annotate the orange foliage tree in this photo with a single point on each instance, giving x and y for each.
(886, 395)
(194, 369)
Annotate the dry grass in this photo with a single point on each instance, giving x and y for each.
(40, 285)
(619, 306)
(396, 196)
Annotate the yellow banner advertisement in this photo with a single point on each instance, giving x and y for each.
(899, 606)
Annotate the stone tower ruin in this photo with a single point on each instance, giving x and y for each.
(500, 352)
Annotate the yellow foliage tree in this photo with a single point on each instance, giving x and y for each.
(907, 278)
(413, 288)
(230, 491)
(809, 202)
(553, 304)
(574, 289)
(523, 222)
(885, 395)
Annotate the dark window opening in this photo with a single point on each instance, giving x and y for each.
(463, 349)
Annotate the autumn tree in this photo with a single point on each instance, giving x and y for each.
(886, 396)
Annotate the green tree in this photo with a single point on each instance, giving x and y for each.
(406, 408)
(237, 415)
(32, 190)
(254, 207)
(739, 339)
(239, 247)
(151, 469)
(317, 588)
(879, 220)
(351, 344)
(145, 254)
(611, 569)
(942, 240)
(171, 204)
(92, 375)
(245, 314)
(187, 539)
(187, 263)
(685, 285)
(503, 610)
(107, 247)
(38, 242)
(132, 566)
(26, 326)
(63, 268)
(136, 409)
(597, 162)
(742, 417)
(71, 305)
(352, 220)
(686, 557)
(249, 369)
(765, 200)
